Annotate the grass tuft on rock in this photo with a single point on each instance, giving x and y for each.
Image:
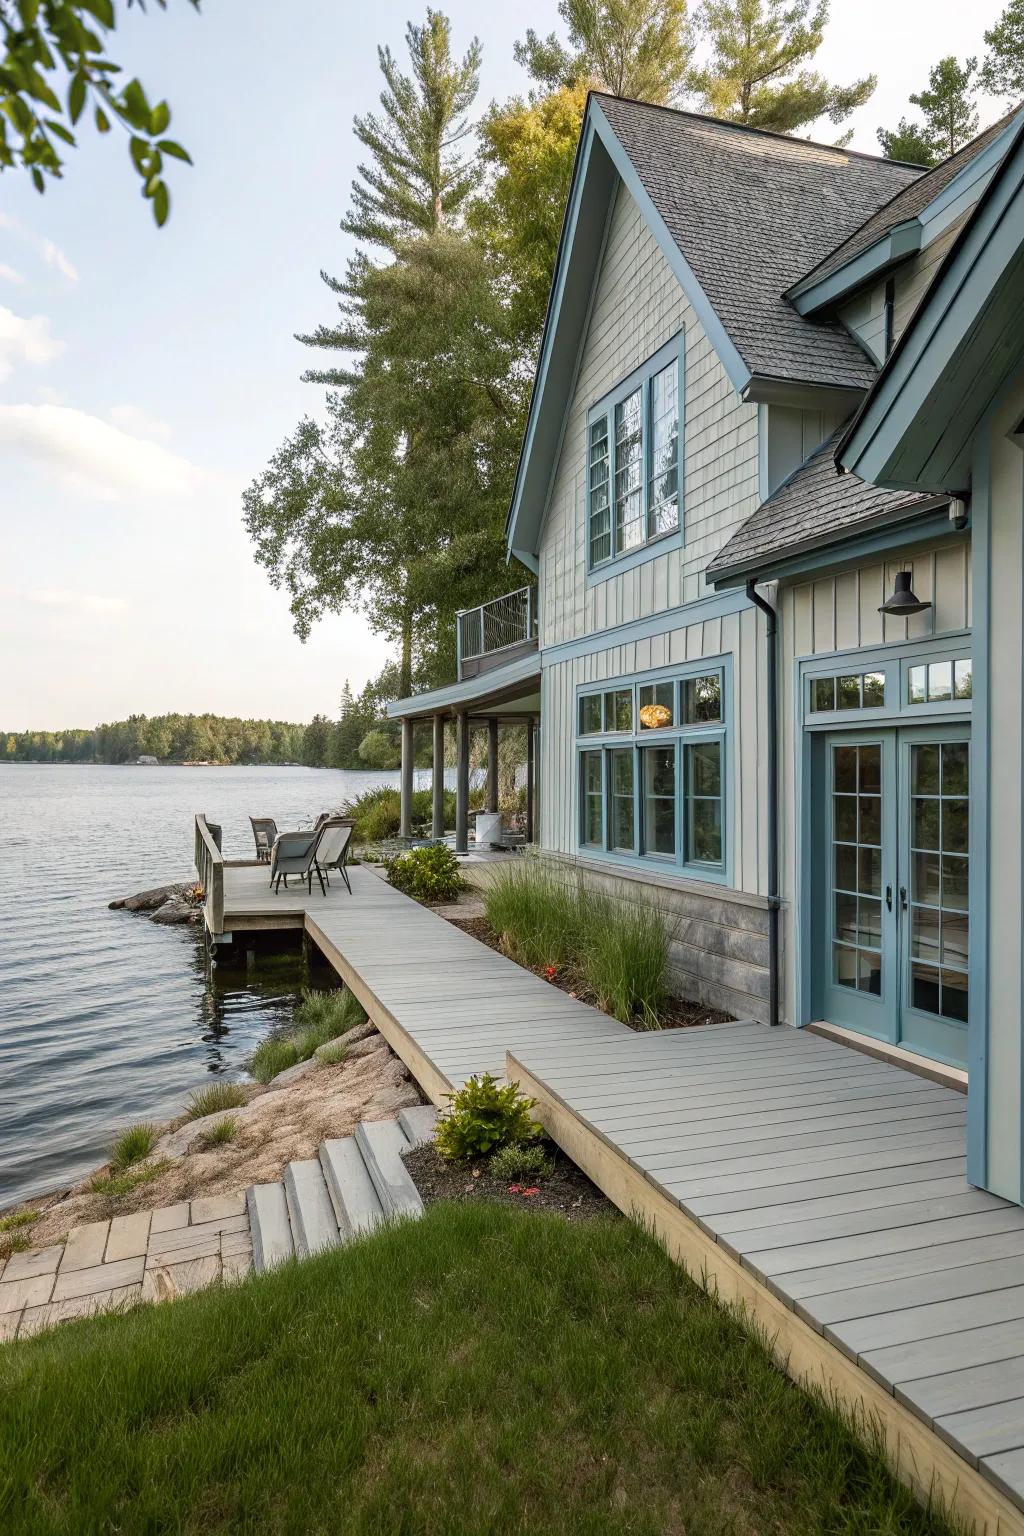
(134, 1145)
(319, 1018)
(115, 1186)
(483, 1369)
(214, 1098)
(18, 1219)
(218, 1135)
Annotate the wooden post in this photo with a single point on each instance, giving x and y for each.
(530, 753)
(405, 826)
(492, 763)
(437, 821)
(462, 783)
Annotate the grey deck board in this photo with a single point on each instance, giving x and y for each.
(835, 1178)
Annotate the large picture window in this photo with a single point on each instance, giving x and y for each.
(634, 469)
(659, 795)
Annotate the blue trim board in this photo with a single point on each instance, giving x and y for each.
(715, 606)
(640, 556)
(981, 758)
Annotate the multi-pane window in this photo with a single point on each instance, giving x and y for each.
(940, 682)
(939, 865)
(849, 690)
(633, 461)
(660, 795)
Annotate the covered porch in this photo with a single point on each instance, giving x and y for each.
(498, 688)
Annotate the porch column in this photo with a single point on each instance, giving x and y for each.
(531, 749)
(492, 764)
(462, 783)
(437, 785)
(405, 826)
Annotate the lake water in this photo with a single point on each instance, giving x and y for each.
(106, 1018)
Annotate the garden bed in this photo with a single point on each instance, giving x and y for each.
(565, 1190)
(674, 1013)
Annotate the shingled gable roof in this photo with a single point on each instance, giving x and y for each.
(909, 202)
(752, 212)
(815, 506)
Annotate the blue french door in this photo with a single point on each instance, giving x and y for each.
(896, 854)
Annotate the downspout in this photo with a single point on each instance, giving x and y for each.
(774, 900)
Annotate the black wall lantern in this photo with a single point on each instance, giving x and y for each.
(903, 601)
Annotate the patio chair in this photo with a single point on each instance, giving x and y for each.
(294, 853)
(332, 849)
(264, 830)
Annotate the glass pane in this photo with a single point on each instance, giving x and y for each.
(657, 706)
(620, 767)
(704, 790)
(600, 512)
(874, 690)
(870, 827)
(702, 699)
(592, 777)
(924, 879)
(845, 867)
(848, 692)
(940, 681)
(629, 471)
(659, 789)
(705, 771)
(869, 761)
(924, 987)
(917, 685)
(869, 881)
(869, 922)
(590, 714)
(844, 812)
(846, 918)
(924, 933)
(869, 973)
(954, 883)
(954, 826)
(925, 770)
(823, 693)
(963, 682)
(706, 831)
(593, 797)
(955, 767)
(664, 488)
(600, 547)
(619, 709)
(844, 769)
(954, 996)
(845, 966)
(925, 823)
(955, 937)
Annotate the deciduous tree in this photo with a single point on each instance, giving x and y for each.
(1002, 73)
(907, 141)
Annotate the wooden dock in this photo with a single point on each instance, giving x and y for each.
(820, 1188)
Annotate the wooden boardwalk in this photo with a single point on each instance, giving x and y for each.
(823, 1189)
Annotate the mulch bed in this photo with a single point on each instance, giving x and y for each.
(677, 1013)
(566, 1191)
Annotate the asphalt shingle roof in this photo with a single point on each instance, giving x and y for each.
(752, 212)
(812, 507)
(909, 202)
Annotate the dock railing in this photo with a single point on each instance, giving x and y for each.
(505, 621)
(210, 869)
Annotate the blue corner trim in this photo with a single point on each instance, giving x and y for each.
(981, 758)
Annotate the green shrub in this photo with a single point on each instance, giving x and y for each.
(484, 1116)
(520, 1162)
(218, 1135)
(536, 917)
(379, 749)
(376, 814)
(428, 874)
(320, 1017)
(624, 957)
(132, 1146)
(18, 1219)
(211, 1100)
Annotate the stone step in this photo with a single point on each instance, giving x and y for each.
(310, 1211)
(382, 1143)
(418, 1123)
(271, 1229)
(356, 1204)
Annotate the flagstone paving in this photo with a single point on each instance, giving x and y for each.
(109, 1265)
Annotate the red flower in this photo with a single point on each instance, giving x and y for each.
(528, 1192)
(549, 972)
(515, 1189)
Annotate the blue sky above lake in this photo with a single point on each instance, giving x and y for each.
(146, 376)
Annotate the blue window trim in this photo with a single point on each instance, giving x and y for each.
(640, 377)
(676, 735)
(895, 661)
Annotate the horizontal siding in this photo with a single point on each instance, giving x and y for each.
(638, 306)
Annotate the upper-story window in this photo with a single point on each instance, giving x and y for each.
(634, 459)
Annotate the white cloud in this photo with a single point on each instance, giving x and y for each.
(133, 419)
(54, 257)
(25, 339)
(95, 459)
(9, 274)
(78, 602)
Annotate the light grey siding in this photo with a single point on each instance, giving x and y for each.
(638, 306)
(793, 435)
(864, 314)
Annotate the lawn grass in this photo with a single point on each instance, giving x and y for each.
(482, 1370)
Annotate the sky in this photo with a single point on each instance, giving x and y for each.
(146, 376)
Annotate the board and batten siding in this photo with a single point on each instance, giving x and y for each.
(864, 314)
(719, 954)
(637, 307)
(838, 613)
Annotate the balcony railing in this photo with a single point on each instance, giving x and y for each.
(499, 625)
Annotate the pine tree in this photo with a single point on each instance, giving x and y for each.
(908, 142)
(635, 48)
(1002, 73)
(755, 74)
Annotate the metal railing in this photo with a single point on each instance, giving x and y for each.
(494, 626)
(210, 869)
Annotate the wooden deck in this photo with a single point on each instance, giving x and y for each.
(820, 1188)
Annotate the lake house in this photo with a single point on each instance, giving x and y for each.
(772, 492)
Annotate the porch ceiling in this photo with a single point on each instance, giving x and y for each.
(510, 690)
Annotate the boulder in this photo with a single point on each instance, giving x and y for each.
(368, 1045)
(175, 911)
(176, 1143)
(292, 1074)
(148, 901)
(342, 1045)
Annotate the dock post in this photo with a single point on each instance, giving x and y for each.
(405, 826)
(492, 764)
(531, 752)
(437, 785)
(462, 783)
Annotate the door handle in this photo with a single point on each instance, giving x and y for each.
(888, 897)
(903, 898)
